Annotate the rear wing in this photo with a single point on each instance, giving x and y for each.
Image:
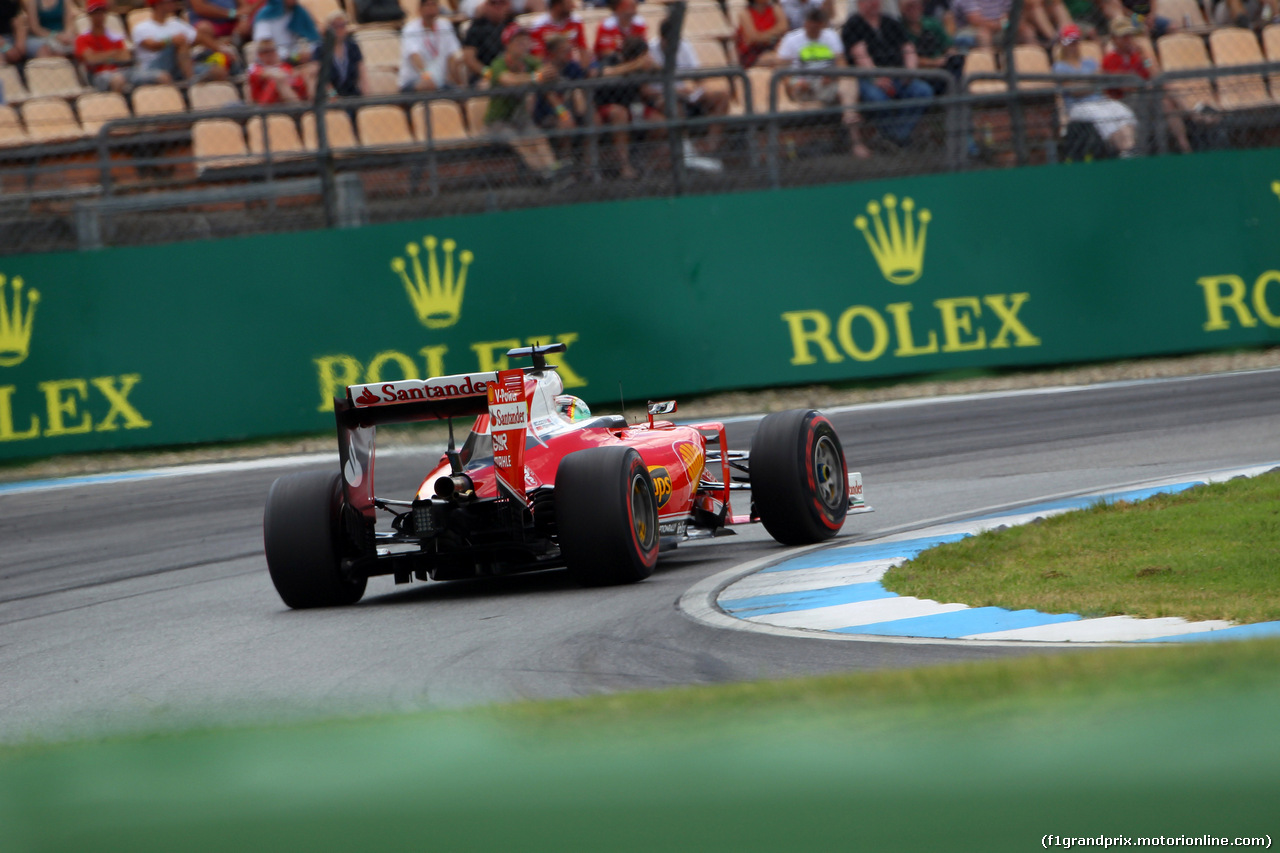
(404, 401)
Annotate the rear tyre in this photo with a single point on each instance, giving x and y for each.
(606, 516)
(302, 535)
(799, 481)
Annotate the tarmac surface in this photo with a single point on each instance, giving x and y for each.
(144, 603)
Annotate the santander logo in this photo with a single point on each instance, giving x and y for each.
(368, 398)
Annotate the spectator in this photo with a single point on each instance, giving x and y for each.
(1113, 120)
(509, 116)
(51, 27)
(347, 76)
(483, 41)
(273, 81)
(1145, 11)
(695, 99)
(797, 11)
(624, 23)
(13, 32)
(290, 26)
(815, 47)
(223, 19)
(166, 46)
(560, 20)
(933, 45)
(760, 26)
(986, 20)
(1126, 58)
(104, 55)
(561, 110)
(872, 40)
(615, 103)
(430, 54)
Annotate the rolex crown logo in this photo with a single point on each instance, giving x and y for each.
(899, 250)
(436, 298)
(15, 322)
(1275, 187)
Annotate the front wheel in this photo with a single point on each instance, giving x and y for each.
(302, 535)
(606, 516)
(799, 482)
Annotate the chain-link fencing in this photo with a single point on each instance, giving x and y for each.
(85, 169)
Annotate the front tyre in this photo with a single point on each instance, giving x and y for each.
(799, 481)
(606, 516)
(302, 535)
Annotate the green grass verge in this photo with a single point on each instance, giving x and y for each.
(988, 756)
(1210, 552)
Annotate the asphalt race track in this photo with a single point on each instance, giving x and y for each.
(134, 604)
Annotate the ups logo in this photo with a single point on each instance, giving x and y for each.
(661, 484)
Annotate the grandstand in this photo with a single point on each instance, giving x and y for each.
(166, 162)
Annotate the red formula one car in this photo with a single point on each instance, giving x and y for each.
(540, 483)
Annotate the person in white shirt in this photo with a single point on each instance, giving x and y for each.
(430, 53)
(695, 99)
(813, 47)
(165, 43)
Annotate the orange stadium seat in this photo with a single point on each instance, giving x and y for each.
(218, 143)
(704, 20)
(382, 81)
(1091, 50)
(381, 48)
(1186, 14)
(98, 108)
(50, 120)
(12, 132)
(15, 91)
(1181, 52)
(475, 110)
(320, 9)
(982, 60)
(282, 136)
(1235, 46)
(214, 95)
(447, 124)
(711, 54)
(384, 126)
(158, 99)
(1271, 42)
(1032, 59)
(137, 16)
(341, 135)
(53, 76)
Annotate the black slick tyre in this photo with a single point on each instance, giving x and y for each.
(606, 516)
(302, 536)
(799, 480)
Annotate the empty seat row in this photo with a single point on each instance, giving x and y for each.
(1229, 46)
(50, 119)
(223, 142)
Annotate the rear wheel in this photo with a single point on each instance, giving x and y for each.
(606, 516)
(302, 535)
(799, 482)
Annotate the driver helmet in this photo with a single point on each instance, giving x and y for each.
(572, 408)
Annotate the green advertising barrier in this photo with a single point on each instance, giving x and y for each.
(210, 341)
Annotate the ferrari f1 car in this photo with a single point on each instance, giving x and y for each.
(538, 483)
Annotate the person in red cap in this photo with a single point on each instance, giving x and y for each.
(1125, 57)
(103, 54)
(1114, 121)
(511, 116)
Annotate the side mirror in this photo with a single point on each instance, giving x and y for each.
(666, 407)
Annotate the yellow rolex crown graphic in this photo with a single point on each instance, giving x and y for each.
(16, 318)
(898, 248)
(436, 296)
(1275, 187)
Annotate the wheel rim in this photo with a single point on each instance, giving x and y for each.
(826, 473)
(644, 515)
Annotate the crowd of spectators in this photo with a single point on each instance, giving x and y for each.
(464, 44)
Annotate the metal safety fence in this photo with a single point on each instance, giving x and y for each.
(81, 171)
